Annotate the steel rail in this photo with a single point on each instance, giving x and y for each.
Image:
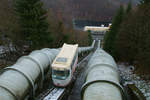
(55, 94)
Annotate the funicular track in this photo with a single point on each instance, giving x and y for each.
(30, 75)
(75, 93)
(56, 93)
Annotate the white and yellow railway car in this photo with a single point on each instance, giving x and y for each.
(64, 65)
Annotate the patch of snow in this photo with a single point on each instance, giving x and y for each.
(126, 72)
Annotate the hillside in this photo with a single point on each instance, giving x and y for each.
(98, 10)
(8, 20)
(66, 10)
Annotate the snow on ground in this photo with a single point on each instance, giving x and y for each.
(128, 76)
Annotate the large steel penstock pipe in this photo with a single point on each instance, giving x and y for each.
(17, 81)
(102, 80)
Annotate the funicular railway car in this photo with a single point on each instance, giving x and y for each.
(64, 65)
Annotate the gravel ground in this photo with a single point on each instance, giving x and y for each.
(142, 82)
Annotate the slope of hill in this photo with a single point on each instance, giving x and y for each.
(98, 10)
(66, 10)
(8, 22)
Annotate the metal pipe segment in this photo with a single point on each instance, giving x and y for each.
(17, 81)
(83, 49)
(102, 81)
(99, 44)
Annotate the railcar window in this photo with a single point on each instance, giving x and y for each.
(61, 59)
(57, 74)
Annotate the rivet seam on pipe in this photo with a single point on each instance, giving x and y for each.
(50, 59)
(30, 80)
(10, 91)
(39, 65)
(42, 52)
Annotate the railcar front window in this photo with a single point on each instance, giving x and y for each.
(57, 74)
(61, 60)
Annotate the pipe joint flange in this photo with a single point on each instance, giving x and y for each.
(29, 79)
(10, 91)
(106, 81)
(39, 65)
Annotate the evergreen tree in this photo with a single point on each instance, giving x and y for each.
(62, 37)
(129, 8)
(60, 33)
(109, 39)
(133, 40)
(144, 2)
(33, 22)
(89, 37)
(66, 38)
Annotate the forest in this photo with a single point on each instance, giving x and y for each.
(129, 37)
(26, 25)
(33, 24)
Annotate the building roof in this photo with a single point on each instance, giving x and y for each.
(96, 29)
